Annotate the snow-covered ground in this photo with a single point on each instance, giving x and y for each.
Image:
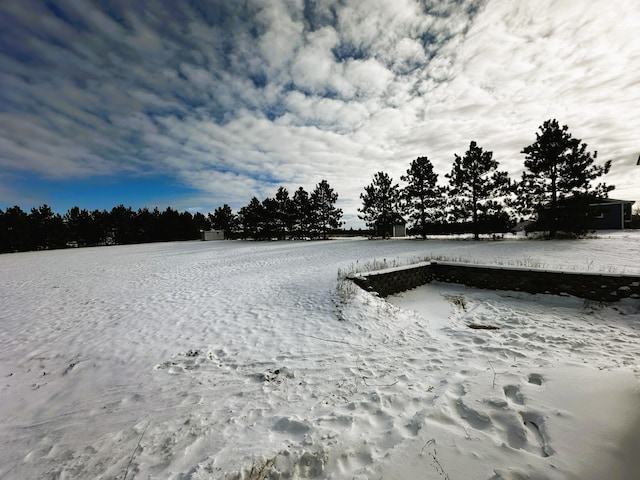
(227, 360)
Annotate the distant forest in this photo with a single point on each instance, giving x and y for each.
(42, 229)
(302, 216)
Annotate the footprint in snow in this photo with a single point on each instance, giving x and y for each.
(513, 393)
(535, 379)
(536, 425)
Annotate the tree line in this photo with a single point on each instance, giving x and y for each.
(302, 215)
(554, 194)
(305, 215)
(42, 229)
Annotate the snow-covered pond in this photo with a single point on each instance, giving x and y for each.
(241, 359)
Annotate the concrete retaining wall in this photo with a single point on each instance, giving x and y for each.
(600, 287)
(395, 280)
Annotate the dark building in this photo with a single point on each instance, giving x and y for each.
(612, 214)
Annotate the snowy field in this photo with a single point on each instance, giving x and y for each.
(229, 360)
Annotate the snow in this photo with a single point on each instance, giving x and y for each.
(197, 360)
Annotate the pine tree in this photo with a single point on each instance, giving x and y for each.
(79, 226)
(268, 220)
(475, 188)
(251, 218)
(556, 185)
(200, 223)
(101, 232)
(48, 228)
(423, 198)
(224, 219)
(284, 212)
(169, 225)
(325, 215)
(122, 226)
(380, 204)
(18, 235)
(301, 212)
(147, 224)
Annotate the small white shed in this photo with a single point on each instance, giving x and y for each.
(399, 229)
(212, 235)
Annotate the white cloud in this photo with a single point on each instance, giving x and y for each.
(315, 68)
(368, 77)
(199, 78)
(408, 54)
(25, 146)
(328, 113)
(283, 37)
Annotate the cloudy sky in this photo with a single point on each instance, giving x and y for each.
(196, 103)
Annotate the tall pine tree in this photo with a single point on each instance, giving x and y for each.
(224, 219)
(301, 213)
(422, 197)
(380, 204)
(251, 219)
(475, 189)
(556, 184)
(325, 215)
(284, 212)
